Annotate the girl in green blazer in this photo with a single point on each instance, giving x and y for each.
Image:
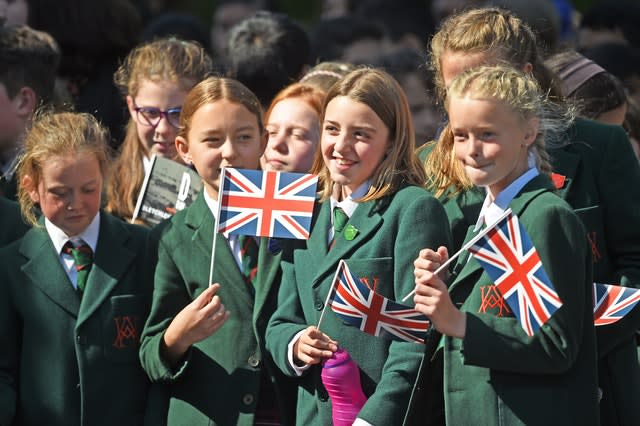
(367, 167)
(205, 340)
(494, 373)
(594, 170)
(69, 331)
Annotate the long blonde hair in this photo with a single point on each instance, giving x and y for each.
(182, 62)
(382, 93)
(58, 134)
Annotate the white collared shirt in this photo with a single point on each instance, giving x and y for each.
(232, 239)
(492, 209)
(59, 239)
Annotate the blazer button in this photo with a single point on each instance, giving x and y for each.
(247, 399)
(319, 305)
(254, 361)
(80, 339)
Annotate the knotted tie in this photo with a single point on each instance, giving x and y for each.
(82, 258)
(249, 257)
(340, 219)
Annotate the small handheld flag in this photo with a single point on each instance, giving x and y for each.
(612, 302)
(357, 305)
(510, 259)
(266, 203)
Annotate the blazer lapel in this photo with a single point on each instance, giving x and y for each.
(111, 261)
(45, 271)
(532, 189)
(364, 219)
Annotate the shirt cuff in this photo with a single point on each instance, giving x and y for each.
(297, 369)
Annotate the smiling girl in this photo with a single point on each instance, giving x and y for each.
(494, 373)
(369, 172)
(207, 341)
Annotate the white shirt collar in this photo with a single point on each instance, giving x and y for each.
(491, 210)
(89, 235)
(146, 164)
(348, 204)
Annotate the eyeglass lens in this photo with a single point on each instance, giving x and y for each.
(152, 116)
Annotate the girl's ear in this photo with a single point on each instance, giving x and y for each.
(528, 68)
(131, 107)
(182, 146)
(533, 124)
(32, 189)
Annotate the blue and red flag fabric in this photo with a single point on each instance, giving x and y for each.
(266, 203)
(359, 306)
(612, 302)
(508, 256)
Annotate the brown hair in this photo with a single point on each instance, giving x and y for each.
(313, 96)
(382, 93)
(214, 89)
(28, 58)
(325, 74)
(59, 134)
(182, 62)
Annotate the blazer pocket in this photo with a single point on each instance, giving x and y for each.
(123, 324)
(376, 273)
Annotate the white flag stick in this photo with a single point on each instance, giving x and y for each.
(465, 247)
(333, 284)
(216, 227)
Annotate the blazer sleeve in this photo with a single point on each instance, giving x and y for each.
(169, 298)
(288, 319)
(423, 224)
(620, 193)
(500, 343)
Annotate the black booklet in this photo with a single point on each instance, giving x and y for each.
(167, 188)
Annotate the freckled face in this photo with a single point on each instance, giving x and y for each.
(354, 142)
(69, 191)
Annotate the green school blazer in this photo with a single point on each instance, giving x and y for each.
(497, 374)
(390, 234)
(12, 226)
(66, 361)
(218, 381)
(598, 175)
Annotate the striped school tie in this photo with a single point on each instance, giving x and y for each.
(83, 260)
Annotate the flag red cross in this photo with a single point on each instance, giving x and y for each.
(268, 202)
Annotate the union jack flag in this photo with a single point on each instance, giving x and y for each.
(612, 302)
(510, 259)
(266, 203)
(357, 305)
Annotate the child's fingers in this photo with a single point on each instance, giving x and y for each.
(206, 296)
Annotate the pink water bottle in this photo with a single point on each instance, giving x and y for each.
(341, 378)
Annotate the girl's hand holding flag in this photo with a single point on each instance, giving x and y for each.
(432, 296)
